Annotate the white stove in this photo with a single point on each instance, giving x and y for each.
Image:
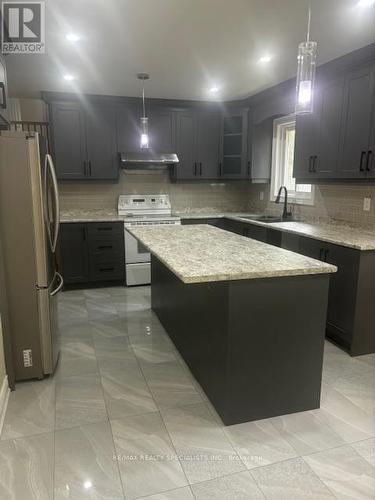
(142, 210)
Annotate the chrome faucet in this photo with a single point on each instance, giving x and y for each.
(278, 198)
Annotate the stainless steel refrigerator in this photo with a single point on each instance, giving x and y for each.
(29, 227)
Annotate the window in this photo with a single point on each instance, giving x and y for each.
(284, 130)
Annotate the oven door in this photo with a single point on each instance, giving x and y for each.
(135, 252)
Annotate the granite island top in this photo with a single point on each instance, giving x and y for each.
(331, 231)
(203, 253)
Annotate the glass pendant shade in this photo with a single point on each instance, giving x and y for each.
(144, 132)
(306, 77)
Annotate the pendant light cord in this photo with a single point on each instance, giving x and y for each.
(308, 23)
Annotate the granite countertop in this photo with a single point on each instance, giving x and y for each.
(203, 253)
(339, 233)
(90, 216)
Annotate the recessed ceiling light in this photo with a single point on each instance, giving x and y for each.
(366, 3)
(69, 78)
(265, 59)
(214, 90)
(72, 37)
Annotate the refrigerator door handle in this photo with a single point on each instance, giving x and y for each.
(60, 285)
(49, 167)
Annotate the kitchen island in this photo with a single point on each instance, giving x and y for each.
(247, 317)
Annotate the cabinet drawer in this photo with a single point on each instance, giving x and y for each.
(106, 247)
(107, 269)
(105, 229)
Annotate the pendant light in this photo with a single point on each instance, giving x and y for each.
(306, 72)
(144, 142)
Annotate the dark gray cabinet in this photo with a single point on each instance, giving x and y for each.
(102, 159)
(161, 130)
(69, 143)
(74, 253)
(337, 140)
(261, 150)
(92, 252)
(185, 141)
(197, 141)
(317, 145)
(208, 134)
(233, 151)
(128, 128)
(358, 108)
(4, 118)
(84, 141)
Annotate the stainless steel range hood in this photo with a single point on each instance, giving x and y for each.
(147, 160)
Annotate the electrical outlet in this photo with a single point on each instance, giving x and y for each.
(261, 196)
(27, 358)
(366, 204)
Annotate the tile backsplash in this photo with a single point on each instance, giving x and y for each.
(341, 202)
(185, 196)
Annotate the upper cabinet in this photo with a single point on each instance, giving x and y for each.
(336, 141)
(197, 145)
(84, 141)
(261, 150)
(3, 93)
(233, 159)
(359, 106)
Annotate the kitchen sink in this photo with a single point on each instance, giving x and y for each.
(263, 218)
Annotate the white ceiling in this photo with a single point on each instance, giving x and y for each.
(187, 46)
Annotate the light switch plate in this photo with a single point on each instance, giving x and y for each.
(261, 196)
(366, 204)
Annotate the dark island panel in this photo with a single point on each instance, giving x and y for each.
(255, 346)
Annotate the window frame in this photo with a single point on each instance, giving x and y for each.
(280, 127)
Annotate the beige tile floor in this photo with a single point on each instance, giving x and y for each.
(124, 418)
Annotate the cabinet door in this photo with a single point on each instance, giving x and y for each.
(208, 139)
(356, 123)
(69, 143)
(161, 131)
(186, 146)
(311, 248)
(306, 143)
(3, 92)
(233, 162)
(74, 253)
(330, 104)
(255, 232)
(262, 135)
(128, 128)
(342, 290)
(101, 143)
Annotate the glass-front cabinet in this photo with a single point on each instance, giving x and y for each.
(233, 161)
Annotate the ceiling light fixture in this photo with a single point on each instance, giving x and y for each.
(366, 3)
(306, 72)
(72, 37)
(69, 78)
(265, 59)
(214, 90)
(144, 120)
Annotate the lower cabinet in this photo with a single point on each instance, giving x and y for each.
(92, 252)
(351, 312)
